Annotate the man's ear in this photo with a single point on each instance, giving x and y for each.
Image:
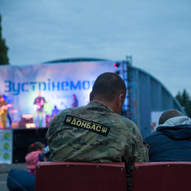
(120, 101)
(90, 96)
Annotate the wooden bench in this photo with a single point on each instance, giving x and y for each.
(162, 176)
(80, 176)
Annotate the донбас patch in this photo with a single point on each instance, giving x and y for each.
(85, 124)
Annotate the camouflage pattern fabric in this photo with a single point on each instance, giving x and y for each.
(94, 133)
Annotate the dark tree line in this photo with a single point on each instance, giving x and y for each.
(3, 49)
(185, 100)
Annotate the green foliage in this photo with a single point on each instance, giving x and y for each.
(3, 49)
(185, 100)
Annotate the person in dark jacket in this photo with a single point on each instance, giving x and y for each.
(172, 139)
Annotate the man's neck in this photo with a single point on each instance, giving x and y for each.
(108, 104)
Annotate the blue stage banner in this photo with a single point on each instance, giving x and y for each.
(58, 83)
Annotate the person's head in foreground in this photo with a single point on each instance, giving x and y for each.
(109, 89)
(169, 114)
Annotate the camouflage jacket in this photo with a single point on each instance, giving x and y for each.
(94, 133)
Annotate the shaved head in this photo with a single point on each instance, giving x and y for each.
(169, 114)
(107, 87)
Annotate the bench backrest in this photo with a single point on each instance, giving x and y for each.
(72, 176)
(162, 176)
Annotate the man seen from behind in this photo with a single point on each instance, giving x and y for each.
(97, 132)
(172, 139)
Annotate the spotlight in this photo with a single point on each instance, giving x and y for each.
(116, 65)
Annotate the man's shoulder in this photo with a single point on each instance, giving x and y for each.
(125, 126)
(63, 113)
(125, 120)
